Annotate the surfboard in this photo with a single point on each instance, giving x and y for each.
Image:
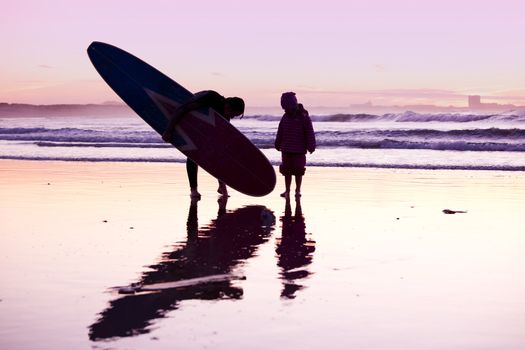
(203, 135)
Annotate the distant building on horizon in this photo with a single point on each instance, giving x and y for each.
(474, 101)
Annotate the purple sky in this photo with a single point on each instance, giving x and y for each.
(331, 53)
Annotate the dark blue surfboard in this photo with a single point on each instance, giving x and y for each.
(203, 136)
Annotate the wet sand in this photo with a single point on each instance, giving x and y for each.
(367, 259)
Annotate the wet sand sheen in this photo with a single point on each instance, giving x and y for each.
(366, 259)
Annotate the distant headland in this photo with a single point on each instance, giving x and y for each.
(475, 105)
(57, 110)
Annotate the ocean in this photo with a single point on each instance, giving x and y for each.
(392, 140)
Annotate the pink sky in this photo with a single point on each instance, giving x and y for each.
(332, 53)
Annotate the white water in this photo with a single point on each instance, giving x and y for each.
(406, 140)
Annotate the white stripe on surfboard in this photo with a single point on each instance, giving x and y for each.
(138, 287)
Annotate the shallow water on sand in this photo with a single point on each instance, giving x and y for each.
(365, 259)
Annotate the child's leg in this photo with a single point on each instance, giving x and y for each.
(298, 182)
(287, 183)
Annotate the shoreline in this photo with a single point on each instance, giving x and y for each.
(313, 165)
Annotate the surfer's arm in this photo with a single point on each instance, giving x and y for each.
(200, 99)
(177, 116)
(185, 109)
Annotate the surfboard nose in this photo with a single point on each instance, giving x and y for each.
(93, 46)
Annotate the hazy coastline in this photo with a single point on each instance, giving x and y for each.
(66, 110)
(120, 109)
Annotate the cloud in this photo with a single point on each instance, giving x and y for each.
(379, 67)
(45, 66)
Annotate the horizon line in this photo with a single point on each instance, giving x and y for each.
(361, 105)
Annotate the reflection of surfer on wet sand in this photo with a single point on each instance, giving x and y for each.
(294, 250)
(200, 268)
(223, 200)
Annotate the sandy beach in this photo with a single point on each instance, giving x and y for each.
(366, 260)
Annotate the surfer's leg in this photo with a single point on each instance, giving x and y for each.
(192, 169)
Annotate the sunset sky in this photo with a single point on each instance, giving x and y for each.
(332, 53)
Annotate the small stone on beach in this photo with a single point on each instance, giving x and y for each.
(448, 211)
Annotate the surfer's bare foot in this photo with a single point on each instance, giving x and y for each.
(285, 194)
(195, 194)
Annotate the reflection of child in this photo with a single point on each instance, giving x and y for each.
(295, 136)
(294, 250)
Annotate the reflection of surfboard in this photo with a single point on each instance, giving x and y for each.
(204, 136)
(204, 267)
